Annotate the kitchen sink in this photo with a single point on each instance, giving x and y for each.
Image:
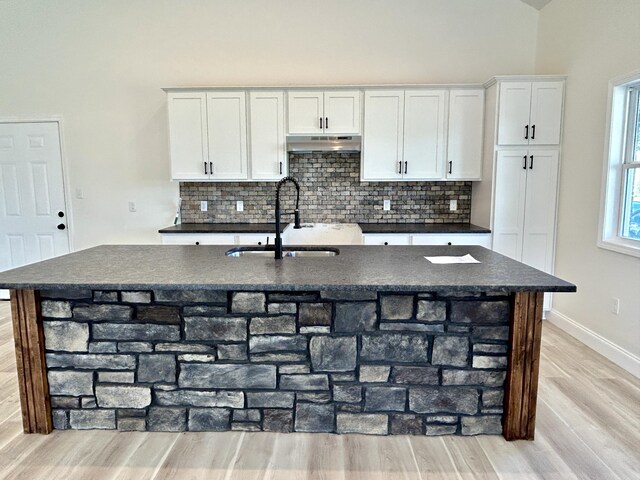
(286, 252)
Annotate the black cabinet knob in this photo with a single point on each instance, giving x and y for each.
(449, 243)
(62, 226)
(197, 243)
(259, 243)
(61, 214)
(386, 243)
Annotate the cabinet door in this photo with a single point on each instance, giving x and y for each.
(305, 112)
(464, 145)
(386, 239)
(256, 238)
(546, 113)
(509, 202)
(482, 239)
(540, 210)
(188, 135)
(227, 135)
(513, 115)
(268, 151)
(342, 112)
(198, 239)
(382, 136)
(424, 134)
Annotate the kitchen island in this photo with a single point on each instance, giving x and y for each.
(375, 340)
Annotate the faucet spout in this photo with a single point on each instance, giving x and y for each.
(296, 212)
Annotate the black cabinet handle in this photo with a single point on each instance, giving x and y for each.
(533, 132)
(320, 123)
(62, 226)
(399, 168)
(450, 166)
(205, 169)
(280, 168)
(405, 167)
(531, 164)
(326, 123)
(524, 165)
(211, 168)
(526, 132)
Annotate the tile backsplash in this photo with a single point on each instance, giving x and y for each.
(331, 192)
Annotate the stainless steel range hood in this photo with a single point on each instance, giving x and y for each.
(308, 143)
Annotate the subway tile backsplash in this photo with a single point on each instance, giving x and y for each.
(331, 192)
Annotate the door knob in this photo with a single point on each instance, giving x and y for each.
(62, 226)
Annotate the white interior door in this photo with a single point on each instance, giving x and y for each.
(546, 113)
(509, 199)
(33, 214)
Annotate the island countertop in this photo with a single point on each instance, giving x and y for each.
(388, 268)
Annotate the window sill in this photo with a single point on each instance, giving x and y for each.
(621, 245)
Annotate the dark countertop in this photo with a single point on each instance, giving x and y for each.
(224, 228)
(422, 228)
(389, 268)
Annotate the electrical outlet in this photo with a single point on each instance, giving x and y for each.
(240, 206)
(132, 206)
(386, 204)
(203, 206)
(453, 205)
(615, 306)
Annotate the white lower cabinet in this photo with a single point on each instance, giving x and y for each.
(525, 202)
(482, 239)
(258, 239)
(198, 238)
(386, 239)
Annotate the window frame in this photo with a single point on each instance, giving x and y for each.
(618, 149)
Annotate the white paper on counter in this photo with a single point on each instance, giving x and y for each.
(444, 259)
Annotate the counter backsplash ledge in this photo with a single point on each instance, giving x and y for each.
(331, 193)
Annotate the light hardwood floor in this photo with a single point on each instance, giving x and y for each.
(588, 428)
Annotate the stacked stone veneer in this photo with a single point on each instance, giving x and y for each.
(331, 192)
(360, 362)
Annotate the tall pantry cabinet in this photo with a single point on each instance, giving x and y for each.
(523, 118)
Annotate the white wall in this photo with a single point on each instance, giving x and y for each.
(592, 41)
(101, 64)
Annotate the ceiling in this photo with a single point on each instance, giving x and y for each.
(538, 4)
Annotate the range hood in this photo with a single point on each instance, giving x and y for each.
(308, 143)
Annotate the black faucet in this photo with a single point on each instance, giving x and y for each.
(296, 212)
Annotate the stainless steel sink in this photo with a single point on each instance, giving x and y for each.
(286, 252)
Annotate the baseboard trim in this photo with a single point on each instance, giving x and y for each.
(595, 341)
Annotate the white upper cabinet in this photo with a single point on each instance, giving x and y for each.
(424, 134)
(188, 135)
(382, 142)
(465, 134)
(530, 113)
(227, 135)
(267, 137)
(317, 112)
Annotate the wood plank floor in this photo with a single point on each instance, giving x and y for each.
(588, 428)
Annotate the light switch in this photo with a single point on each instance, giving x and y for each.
(203, 206)
(240, 206)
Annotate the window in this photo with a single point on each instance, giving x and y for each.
(620, 216)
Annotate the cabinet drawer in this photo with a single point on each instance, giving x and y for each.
(198, 239)
(386, 239)
(250, 239)
(482, 239)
